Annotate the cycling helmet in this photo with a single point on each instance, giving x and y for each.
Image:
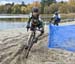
(35, 9)
(56, 13)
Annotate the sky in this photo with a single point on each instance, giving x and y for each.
(19, 1)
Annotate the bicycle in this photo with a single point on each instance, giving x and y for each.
(31, 42)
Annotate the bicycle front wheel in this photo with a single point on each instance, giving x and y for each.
(30, 43)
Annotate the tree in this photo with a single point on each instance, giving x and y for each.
(53, 8)
(23, 9)
(46, 3)
(36, 4)
(64, 8)
(23, 4)
(16, 9)
(1, 9)
(61, 2)
(72, 2)
(9, 10)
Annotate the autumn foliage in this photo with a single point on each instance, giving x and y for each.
(47, 8)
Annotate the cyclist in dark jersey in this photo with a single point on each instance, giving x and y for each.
(57, 18)
(35, 21)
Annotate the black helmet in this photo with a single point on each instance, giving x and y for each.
(35, 9)
(56, 13)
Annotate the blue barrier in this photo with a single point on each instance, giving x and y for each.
(62, 37)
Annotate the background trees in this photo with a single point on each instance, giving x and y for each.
(45, 3)
(45, 6)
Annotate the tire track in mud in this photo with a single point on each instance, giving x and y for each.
(13, 42)
(38, 51)
(13, 56)
(12, 39)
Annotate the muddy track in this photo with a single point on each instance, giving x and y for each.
(12, 52)
(11, 49)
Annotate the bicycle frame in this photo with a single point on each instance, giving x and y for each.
(30, 43)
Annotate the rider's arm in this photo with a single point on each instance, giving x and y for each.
(59, 16)
(30, 17)
(40, 18)
(54, 16)
(29, 20)
(28, 24)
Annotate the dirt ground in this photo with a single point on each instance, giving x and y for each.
(11, 41)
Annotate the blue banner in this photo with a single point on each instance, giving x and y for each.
(62, 37)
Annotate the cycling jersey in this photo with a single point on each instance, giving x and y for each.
(57, 17)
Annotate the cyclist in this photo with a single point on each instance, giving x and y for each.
(56, 18)
(35, 21)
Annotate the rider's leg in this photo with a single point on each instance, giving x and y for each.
(31, 29)
(41, 33)
(56, 22)
(41, 28)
